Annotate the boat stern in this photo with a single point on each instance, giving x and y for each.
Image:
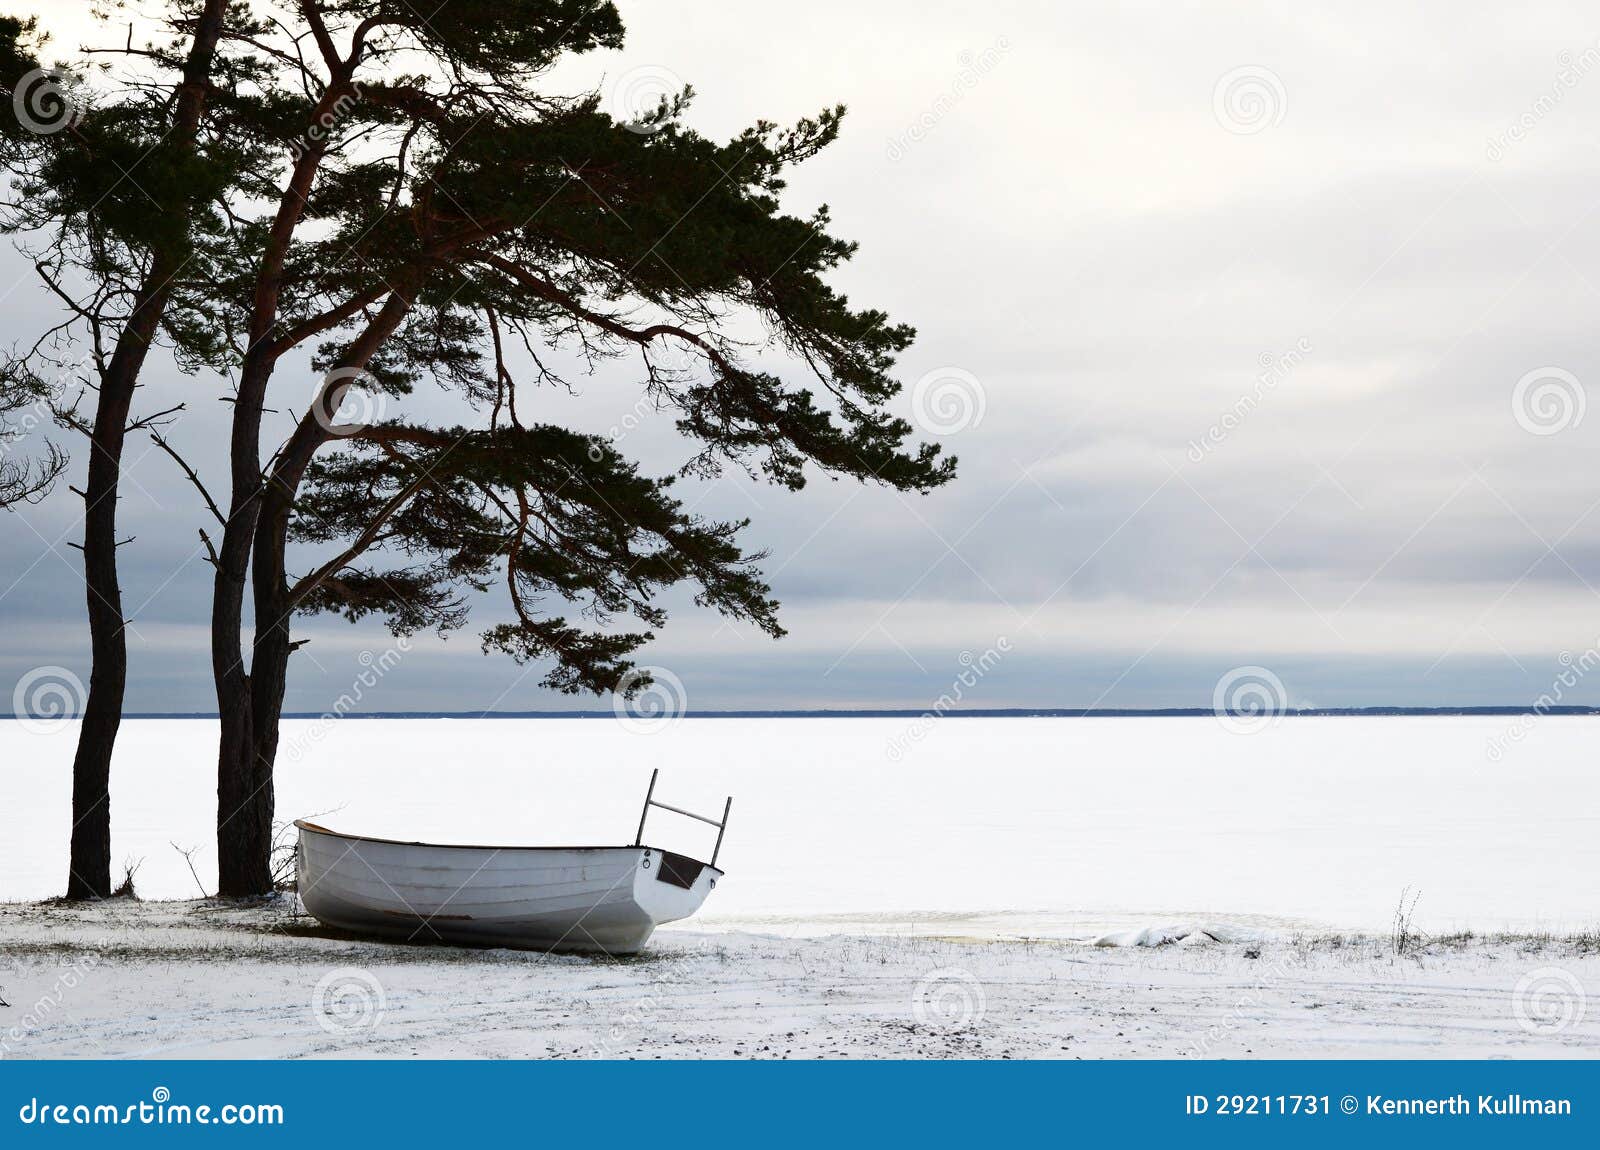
(669, 886)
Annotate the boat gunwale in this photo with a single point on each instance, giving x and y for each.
(302, 824)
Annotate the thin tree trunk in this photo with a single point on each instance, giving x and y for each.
(273, 646)
(89, 863)
(239, 845)
(89, 866)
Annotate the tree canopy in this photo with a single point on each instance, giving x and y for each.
(459, 211)
(395, 197)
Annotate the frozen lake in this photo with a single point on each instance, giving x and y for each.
(1065, 827)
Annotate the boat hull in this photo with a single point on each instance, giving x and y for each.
(594, 900)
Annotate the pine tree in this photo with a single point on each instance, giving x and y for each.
(108, 189)
(402, 201)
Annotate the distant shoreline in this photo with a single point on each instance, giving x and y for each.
(913, 713)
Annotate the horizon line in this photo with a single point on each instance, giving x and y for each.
(894, 713)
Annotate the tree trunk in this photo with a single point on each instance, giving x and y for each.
(252, 704)
(269, 669)
(89, 865)
(243, 845)
(244, 780)
(243, 848)
(250, 732)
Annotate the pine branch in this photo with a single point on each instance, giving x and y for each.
(364, 540)
(211, 504)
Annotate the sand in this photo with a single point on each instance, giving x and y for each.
(207, 979)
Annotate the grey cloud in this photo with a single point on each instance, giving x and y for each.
(1077, 231)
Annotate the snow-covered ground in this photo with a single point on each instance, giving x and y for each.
(989, 827)
(187, 980)
(894, 888)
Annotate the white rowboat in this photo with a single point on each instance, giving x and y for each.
(605, 900)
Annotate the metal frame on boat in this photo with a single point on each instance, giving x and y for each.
(582, 899)
(650, 801)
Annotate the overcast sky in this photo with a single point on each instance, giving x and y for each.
(1262, 333)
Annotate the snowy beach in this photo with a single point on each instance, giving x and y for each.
(1137, 887)
(204, 980)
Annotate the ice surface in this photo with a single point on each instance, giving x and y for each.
(1071, 828)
